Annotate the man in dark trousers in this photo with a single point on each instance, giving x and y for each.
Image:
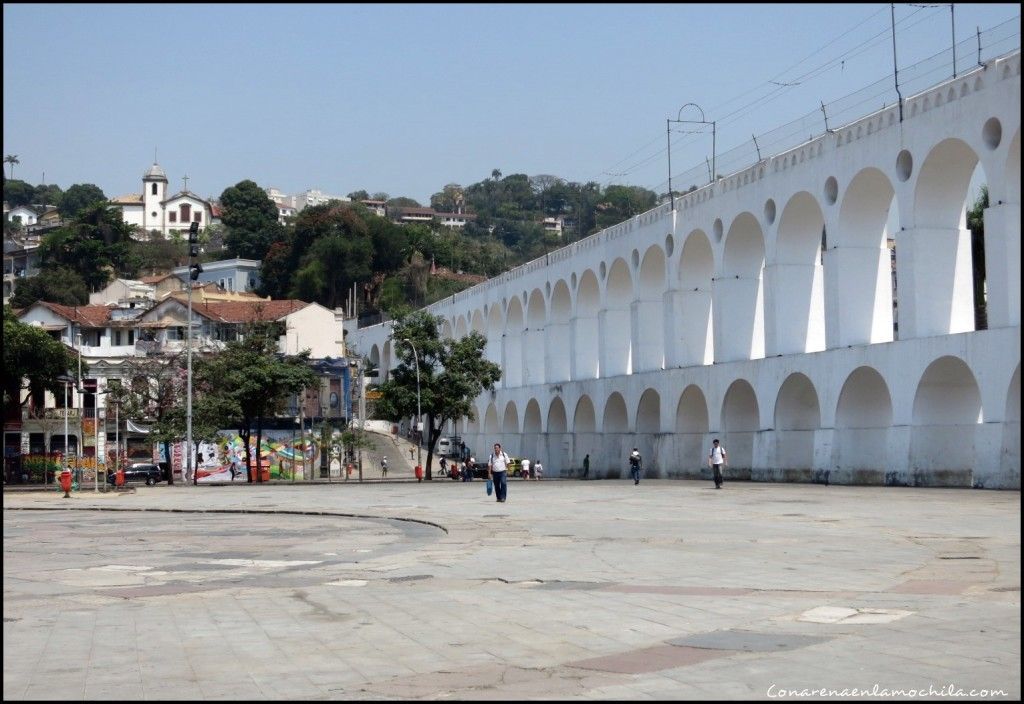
(716, 459)
(635, 464)
(586, 466)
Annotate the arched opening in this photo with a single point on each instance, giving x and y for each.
(740, 423)
(859, 270)
(934, 266)
(649, 339)
(513, 369)
(1009, 465)
(863, 419)
(616, 322)
(559, 352)
(460, 328)
(1002, 253)
(531, 441)
(531, 421)
(615, 419)
(495, 336)
(648, 413)
(446, 330)
(797, 282)
(586, 328)
(797, 417)
(556, 417)
(510, 423)
(533, 340)
(694, 334)
(491, 420)
(584, 419)
(692, 426)
(947, 411)
(739, 294)
(374, 357)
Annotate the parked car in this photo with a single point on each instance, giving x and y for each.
(147, 472)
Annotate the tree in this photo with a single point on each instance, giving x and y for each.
(249, 375)
(79, 197)
(250, 218)
(33, 361)
(17, 192)
(359, 195)
(11, 159)
(58, 284)
(48, 195)
(94, 243)
(402, 202)
(452, 373)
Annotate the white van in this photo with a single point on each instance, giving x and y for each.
(444, 447)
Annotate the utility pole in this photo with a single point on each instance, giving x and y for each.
(193, 274)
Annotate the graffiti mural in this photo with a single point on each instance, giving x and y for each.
(281, 456)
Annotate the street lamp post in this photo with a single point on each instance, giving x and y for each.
(668, 134)
(193, 273)
(419, 412)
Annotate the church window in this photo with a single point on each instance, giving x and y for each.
(199, 216)
(186, 212)
(172, 216)
(154, 189)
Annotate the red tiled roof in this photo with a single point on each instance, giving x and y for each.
(246, 311)
(93, 316)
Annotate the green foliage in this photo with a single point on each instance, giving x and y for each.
(80, 197)
(57, 284)
(33, 360)
(359, 195)
(452, 373)
(94, 243)
(250, 219)
(17, 192)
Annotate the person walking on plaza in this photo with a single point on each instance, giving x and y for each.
(524, 468)
(635, 464)
(538, 469)
(586, 466)
(497, 468)
(716, 459)
(384, 467)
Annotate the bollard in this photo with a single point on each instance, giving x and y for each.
(419, 473)
(65, 483)
(119, 477)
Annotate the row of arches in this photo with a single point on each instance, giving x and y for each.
(801, 279)
(946, 410)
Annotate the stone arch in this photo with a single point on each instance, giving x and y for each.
(860, 269)
(863, 419)
(617, 323)
(740, 423)
(695, 331)
(648, 413)
(531, 421)
(478, 324)
(615, 419)
(691, 428)
(649, 339)
(584, 419)
(936, 295)
(491, 420)
(493, 350)
(446, 329)
(797, 280)
(556, 417)
(461, 328)
(797, 418)
(739, 293)
(374, 356)
(586, 328)
(558, 352)
(510, 421)
(513, 339)
(1012, 174)
(947, 411)
(533, 339)
(1009, 464)
(386, 362)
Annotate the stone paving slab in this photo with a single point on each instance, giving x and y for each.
(570, 590)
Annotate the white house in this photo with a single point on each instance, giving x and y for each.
(153, 209)
(230, 274)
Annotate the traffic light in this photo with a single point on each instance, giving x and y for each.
(194, 271)
(193, 234)
(193, 250)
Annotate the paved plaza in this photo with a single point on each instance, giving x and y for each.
(570, 590)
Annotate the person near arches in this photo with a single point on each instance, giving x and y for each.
(716, 459)
(635, 465)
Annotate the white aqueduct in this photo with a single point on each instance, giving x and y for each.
(734, 317)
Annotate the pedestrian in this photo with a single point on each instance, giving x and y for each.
(538, 470)
(384, 467)
(444, 467)
(716, 459)
(635, 464)
(497, 468)
(586, 466)
(524, 468)
(412, 453)
(467, 472)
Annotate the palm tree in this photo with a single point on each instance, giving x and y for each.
(11, 159)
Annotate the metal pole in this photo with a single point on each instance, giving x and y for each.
(96, 452)
(714, 137)
(419, 412)
(302, 431)
(895, 69)
(189, 470)
(117, 435)
(362, 416)
(81, 410)
(66, 424)
(668, 138)
(952, 22)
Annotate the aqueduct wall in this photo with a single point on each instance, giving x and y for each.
(761, 311)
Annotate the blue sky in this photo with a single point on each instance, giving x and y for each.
(407, 98)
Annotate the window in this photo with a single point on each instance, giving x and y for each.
(154, 189)
(172, 216)
(186, 212)
(199, 216)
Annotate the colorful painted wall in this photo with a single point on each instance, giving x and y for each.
(281, 455)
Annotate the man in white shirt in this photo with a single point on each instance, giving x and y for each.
(497, 468)
(716, 459)
(524, 472)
